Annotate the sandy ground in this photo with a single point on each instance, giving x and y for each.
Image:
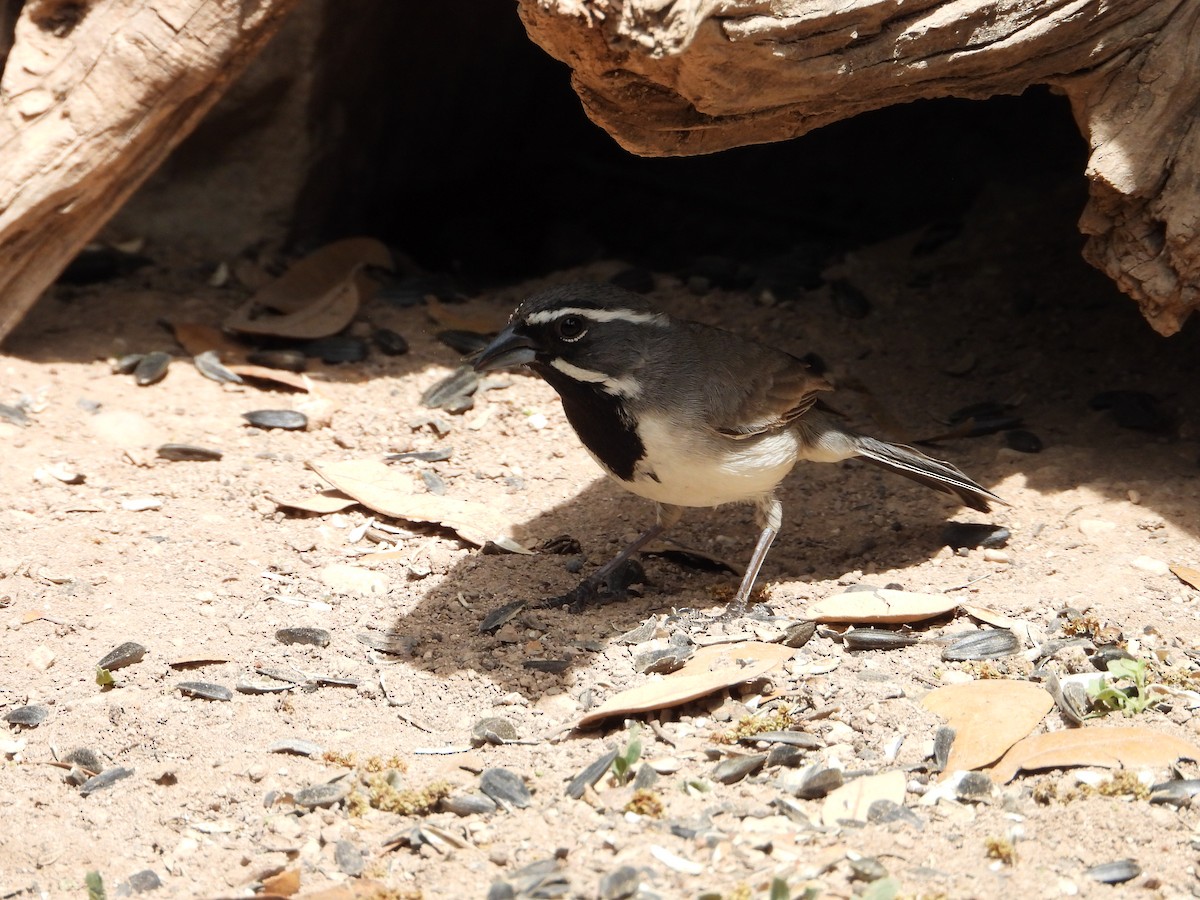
(195, 561)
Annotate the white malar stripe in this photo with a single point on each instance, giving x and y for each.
(621, 386)
(598, 315)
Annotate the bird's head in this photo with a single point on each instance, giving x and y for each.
(592, 333)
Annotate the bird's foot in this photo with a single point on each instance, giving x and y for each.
(594, 591)
(599, 591)
(695, 620)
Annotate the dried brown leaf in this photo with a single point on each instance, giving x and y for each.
(853, 799)
(1187, 574)
(1109, 747)
(295, 380)
(988, 717)
(317, 296)
(711, 669)
(284, 884)
(359, 889)
(467, 317)
(385, 490)
(325, 314)
(323, 503)
(881, 605)
(989, 616)
(195, 339)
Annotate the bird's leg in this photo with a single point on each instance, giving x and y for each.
(596, 589)
(770, 517)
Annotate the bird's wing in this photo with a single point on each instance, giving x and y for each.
(763, 390)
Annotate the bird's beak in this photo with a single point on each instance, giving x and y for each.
(508, 350)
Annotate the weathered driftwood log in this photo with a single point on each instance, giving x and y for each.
(93, 98)
(681, 77)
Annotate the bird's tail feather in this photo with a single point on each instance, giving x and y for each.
(934, 473)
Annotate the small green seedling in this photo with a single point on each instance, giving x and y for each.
(95, 886)
(1130, 698)
(622, 766)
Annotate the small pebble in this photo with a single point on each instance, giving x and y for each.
(143, 882)
(493, 730)
(14, 415)
(888, 811)
(125, 654)
(957, 535)
(664, 660)
(620, 884)
(996, 556)
(1151, 565)
(297, 747)
(1093, 528)
(204, 690)
(1023, 441)
(27, 716)
(323, 794)
(974, 786)
(645, 779)
(866, 868)
(286, 419)
(141, 504)
(506, 787)
(943, 740)
(349, 858)
(469, 803)
(315, 637)
(433, 482)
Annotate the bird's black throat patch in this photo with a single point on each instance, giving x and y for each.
(600, 420)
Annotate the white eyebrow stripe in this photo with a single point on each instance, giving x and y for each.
(598, 315)
(622, 387)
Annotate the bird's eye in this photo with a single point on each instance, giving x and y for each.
(570, 328)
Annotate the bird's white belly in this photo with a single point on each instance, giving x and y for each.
(712, 472)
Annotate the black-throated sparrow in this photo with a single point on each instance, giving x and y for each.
(685, 414)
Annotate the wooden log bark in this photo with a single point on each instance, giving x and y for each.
(682, 77)
(93, 97)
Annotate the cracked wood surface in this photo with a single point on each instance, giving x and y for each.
(685, 77)
(92, 99)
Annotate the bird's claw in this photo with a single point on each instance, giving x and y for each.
(600, 591)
